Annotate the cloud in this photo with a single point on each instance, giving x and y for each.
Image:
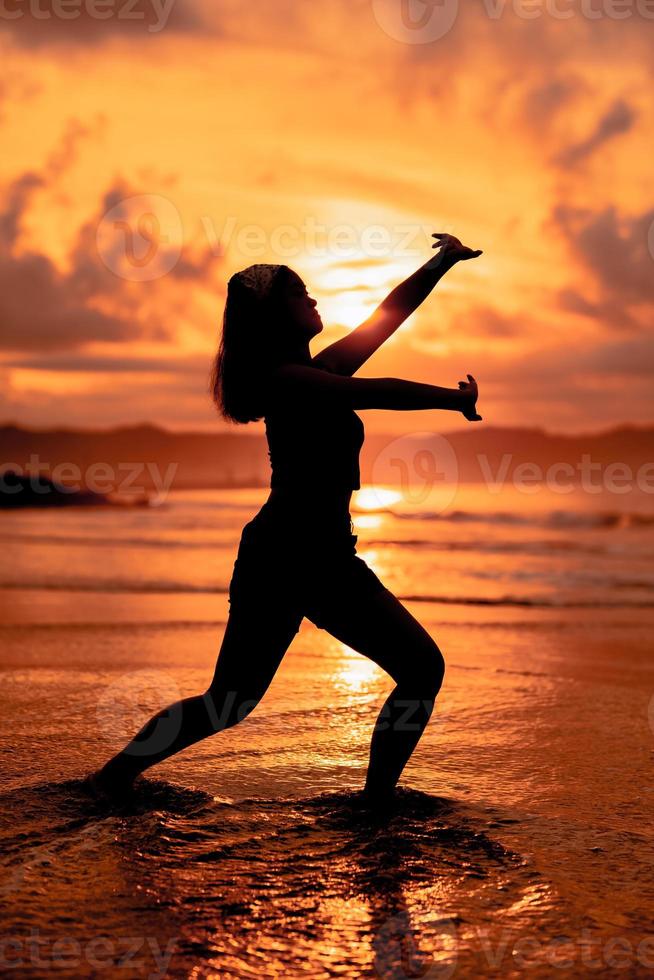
(77, 362)
(45, 307)
(339, 121)
(544, 101)
(619, 119)
(616, 251)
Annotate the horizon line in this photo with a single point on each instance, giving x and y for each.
(242, 430)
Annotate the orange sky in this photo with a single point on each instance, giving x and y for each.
(326, 137)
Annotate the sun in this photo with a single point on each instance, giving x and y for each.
(347, 309)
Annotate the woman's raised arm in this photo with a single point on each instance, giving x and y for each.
(299, 386)
(346, 356)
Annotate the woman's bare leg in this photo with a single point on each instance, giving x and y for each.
(380, 627)
(253, 646)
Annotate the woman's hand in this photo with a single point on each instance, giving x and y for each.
(453, 250)
(470, 393)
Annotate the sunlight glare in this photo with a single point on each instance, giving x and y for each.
(374, 498)
(355, 675)
(367, 521)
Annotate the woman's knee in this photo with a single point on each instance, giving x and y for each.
(227, 708)
(433, 673)
(424, 672)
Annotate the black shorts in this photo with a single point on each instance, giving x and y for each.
(294, 573)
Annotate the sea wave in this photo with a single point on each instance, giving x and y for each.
(178, 588)
(102, 585)
(118, 541)
(546, 602)
(523, 547)
(563, 519)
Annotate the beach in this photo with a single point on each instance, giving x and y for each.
(521, 841)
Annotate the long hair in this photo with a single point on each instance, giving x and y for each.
(251, 344)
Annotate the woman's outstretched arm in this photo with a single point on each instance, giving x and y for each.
(346, 356)
(298, 387)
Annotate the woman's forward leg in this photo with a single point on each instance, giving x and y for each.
(256, 638)
(371, 620)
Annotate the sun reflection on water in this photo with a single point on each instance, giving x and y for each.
(374, 498)
(355, 673)
(365, 521)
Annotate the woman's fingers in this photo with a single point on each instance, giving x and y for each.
(445, 242)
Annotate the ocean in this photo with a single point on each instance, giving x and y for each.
(521, 840)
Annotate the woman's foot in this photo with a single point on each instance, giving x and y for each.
(108, 783)
(379, 799)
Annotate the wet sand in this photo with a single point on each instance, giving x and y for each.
(520, 845)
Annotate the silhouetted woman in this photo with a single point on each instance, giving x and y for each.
(297, 556)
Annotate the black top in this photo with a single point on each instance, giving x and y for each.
(314, 447)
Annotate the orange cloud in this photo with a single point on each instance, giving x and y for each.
(525, 135)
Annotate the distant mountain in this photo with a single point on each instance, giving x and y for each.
(145, 457)
(494, 454)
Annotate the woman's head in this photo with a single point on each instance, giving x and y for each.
(269, 319)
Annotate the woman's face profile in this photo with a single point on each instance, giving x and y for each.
(297, 308)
